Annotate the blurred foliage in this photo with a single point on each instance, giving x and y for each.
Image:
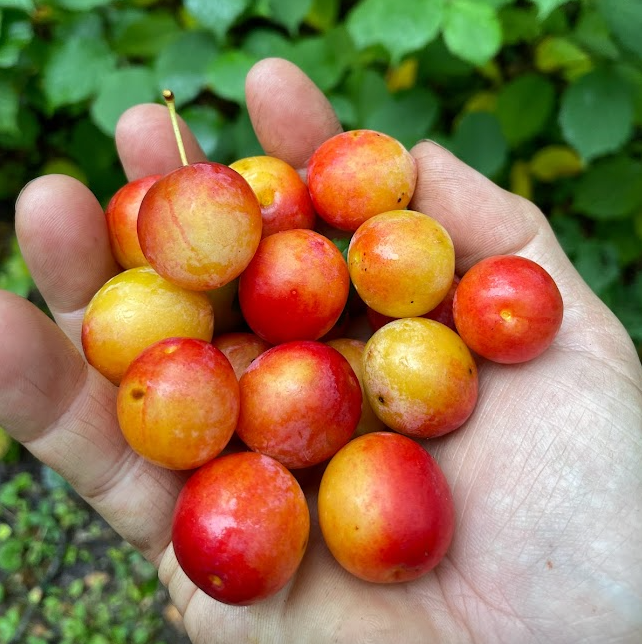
(543, 96)
(65, 576)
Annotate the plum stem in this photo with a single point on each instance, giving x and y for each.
(168, 95)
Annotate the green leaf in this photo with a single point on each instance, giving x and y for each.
(345, 110)
(80, 5)
(27, 133)
(289, 13)
(546, 7)
(65, 81)
(400, 27)
(22, 5)
(622, 235)
(226, 74)
(524, 106)
(60, 165)
(569, 232)
(14, 274)
(597, 262)
(519, 24)
(439, 65)
(147, 36)
(555, 53)
(632, 76)
(324, 58)
(263, 43)
(323, 14)
(610, 189)
(119, 91)
(593, 32)
(246, 143)
(479, 142)
(11, 555)
(15, 35)
(624, 18)
(407, 116)
(9, 104)
(497, 4)
(217, 16)
(472, 31)
(182, 65)
(367, 89)
(596, 113)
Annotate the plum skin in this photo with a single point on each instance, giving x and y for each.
(200, 225)
(295, 287)
(240, 528)
(135, 309)
(402, 263)
(121, 216)
(358, 174)
(284, 198)
(420, 377)
(300, 403)
(178, 403)
(508, 309)
(385, 508)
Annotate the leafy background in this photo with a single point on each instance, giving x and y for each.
(543, 96)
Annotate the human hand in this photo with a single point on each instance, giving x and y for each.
(546, 475)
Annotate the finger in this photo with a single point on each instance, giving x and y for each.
(481, 218)
(291, 116)
(64, 412)
(146, 144)
(62, 234)
(485, 220)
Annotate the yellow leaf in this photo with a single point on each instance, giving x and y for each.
(403, 76)
(520, 180)
(64, 166)
(492, 71)
(554, 162)
(555, 53)
(5, 443)
(481, 102)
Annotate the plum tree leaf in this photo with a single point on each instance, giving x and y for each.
(610, 189)
(546, 7)
(408, 116)
(596, 113)
(23, 5)
(81, 5)
(182, 65)
(147, 36)
(217, 16)
(120, 90)
(472, 31)
(65, 81)
(400, 27)
(597, 262)
(15, 34)
(624, 18)
(524, 106)
(9, 104)
(479, 142)
(226, 74)
(289, 13)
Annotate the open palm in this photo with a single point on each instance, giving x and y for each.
(546, 475)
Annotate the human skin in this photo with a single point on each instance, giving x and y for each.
(546, 475)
